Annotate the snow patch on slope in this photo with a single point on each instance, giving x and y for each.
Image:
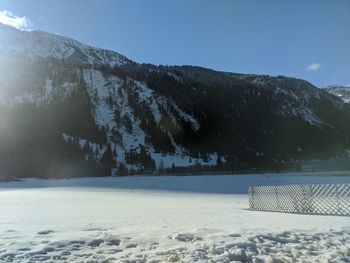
(343, 92)
(155, 101)
(181, 160)
(109, 96)
(298, 105)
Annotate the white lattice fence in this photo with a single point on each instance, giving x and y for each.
(320, 199)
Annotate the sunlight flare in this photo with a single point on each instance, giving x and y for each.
(10, 19)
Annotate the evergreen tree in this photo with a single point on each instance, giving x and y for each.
(86, 148)
(107, 157)
(218, 160)
(161, 166)
(97, 153)
(122, 170)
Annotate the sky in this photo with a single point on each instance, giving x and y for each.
(303, 39)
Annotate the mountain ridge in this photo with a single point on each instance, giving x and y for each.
(44, 44)
(342, 92)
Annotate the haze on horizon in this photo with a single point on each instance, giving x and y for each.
(308, 40)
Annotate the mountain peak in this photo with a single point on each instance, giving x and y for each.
(40, 44)
(342, 92)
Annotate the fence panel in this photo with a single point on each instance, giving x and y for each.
(317, 199)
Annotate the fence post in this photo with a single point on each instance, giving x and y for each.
(251, 201)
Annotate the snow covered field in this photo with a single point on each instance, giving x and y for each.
(163, 219)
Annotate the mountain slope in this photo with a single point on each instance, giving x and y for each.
(342, 92)
(68, 109)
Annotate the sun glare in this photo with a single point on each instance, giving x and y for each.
(10, 19)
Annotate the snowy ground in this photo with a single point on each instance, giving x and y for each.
(162, 219)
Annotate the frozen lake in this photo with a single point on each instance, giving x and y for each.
(160, 219)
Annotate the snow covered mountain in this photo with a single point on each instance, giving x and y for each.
(68, 109)
(342, 92)
(40, 44)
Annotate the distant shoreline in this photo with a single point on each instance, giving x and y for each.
(221, 173)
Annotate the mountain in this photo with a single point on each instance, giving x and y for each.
(68, 109)
(40, 44)
(342, 92)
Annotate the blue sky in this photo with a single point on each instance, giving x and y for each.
(306, 39)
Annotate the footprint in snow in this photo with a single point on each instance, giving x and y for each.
(114, 242)
(131, 246)
(96, 242)
(45, 232)
(185, 237)
(24, 249)
(234, 235)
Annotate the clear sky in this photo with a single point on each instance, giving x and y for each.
(300, 38)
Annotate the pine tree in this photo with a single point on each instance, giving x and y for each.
(122, 170)
(218, 161)
(97, 153)
(161, 166)
(107, 157)
(86, 148)
(153, 165)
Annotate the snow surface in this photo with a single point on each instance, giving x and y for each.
(163, 219)
(40, 44)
